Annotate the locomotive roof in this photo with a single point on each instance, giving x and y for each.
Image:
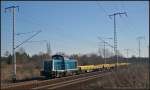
(56, 55)
(64, 57)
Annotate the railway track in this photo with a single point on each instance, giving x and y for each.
(71, 82)
(57, 83)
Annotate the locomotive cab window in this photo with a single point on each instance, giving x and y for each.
(57, 57)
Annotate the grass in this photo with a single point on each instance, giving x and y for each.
(133, 77)
(24, 71)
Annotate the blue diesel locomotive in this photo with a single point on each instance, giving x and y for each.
(59, 66)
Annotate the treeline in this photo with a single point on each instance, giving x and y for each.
(23, 58)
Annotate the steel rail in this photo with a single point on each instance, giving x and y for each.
(36, 83)
(70, 82)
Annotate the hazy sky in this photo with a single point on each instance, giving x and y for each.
(73, 27)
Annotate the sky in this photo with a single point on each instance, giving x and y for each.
(74, 27)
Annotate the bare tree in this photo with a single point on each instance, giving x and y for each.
(6, 54)
(21, 50)
(22, 56)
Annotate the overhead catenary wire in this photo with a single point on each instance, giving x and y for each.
(123, 6)
(27, 39)
(115, 8)
(18, 34)
(131, 25)
(36, 23)
(99, 5)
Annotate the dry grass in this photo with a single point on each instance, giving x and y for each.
(6, 73)
(135, 77)
(24, 71)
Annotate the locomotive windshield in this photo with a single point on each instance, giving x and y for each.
(57, 57)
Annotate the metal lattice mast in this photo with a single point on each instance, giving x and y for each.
(115, 33)
(127, 52)
(104, 53)
(139, 44)
(13, 39)
(104, 44)
(48, 49)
